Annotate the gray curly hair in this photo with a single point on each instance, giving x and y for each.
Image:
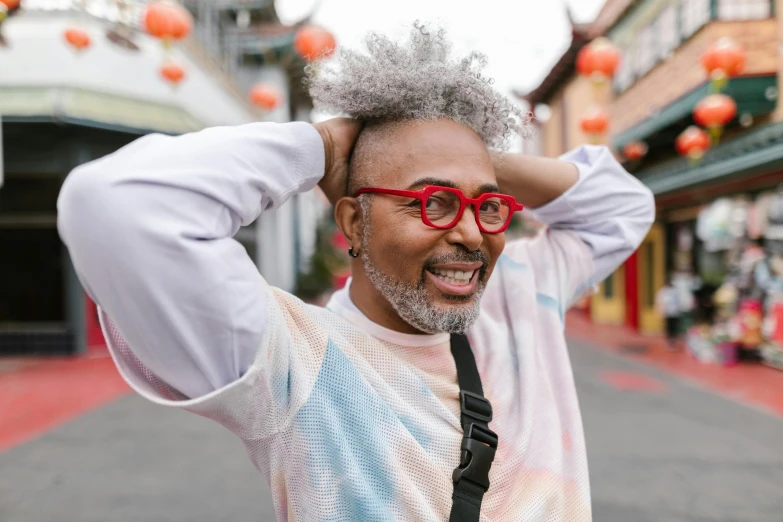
(418, 80)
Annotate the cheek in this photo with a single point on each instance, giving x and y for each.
(401, 245)
(496, 244)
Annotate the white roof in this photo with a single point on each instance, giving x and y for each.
(105, 84)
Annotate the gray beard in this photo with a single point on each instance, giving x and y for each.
(413, 305)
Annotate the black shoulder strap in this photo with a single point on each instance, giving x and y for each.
(471, 478)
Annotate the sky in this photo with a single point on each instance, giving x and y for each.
(521, 38)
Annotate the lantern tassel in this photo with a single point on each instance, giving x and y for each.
(693, 161)
(718, 83)
(715, 133)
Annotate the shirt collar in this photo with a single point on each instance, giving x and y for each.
(341, 304)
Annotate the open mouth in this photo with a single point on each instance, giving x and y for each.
(455, 279)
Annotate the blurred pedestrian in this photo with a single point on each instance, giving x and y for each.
(669, 306)
(378, 406)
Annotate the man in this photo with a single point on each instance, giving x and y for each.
(352, 412)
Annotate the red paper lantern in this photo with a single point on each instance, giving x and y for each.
(312, 42)
(77, 38)
(635, 150)
(595, 122)
(723, 59)
(265, 96)
(598, 60)
(167, 20)
(10, 4)
(693, 142)
(173, 73)
(715, 111)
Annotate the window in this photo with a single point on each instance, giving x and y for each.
(608, 287)
(668, 32)
(646, 54)
(695, 13)
(625, 71)
(744, 9)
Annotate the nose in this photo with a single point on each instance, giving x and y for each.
(466, 232)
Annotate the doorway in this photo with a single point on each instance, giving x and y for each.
(651, 262)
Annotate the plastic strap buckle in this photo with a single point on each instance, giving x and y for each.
(475, 406)
(478, 451)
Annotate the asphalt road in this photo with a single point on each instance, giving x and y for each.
(670, 452)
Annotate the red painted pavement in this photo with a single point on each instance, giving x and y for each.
(37, 395)
(752, 384)
(633, 381)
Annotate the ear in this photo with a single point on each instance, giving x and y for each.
(348, 215)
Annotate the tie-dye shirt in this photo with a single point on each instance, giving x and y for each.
(346, 420)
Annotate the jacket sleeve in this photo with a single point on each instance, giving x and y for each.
(591, 229)
(150, 231)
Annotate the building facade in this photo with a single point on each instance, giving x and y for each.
(651, 99)
(60, 108)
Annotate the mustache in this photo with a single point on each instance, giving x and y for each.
(459, 256)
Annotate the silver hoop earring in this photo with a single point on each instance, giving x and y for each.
(352, 253)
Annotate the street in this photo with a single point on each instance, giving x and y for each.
(660, 449)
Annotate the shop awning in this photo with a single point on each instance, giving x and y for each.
(755, 95)
(757, 151)
(94, 109)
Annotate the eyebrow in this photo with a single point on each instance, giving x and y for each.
(432, 181)
(487, 187)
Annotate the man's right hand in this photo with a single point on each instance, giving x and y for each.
(339, 136)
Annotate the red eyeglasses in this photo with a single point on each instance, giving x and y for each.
(442, 207)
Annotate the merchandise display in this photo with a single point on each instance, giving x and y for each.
(742, 255)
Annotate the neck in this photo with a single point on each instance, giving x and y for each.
(373, 304)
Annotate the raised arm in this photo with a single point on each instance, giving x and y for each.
(587, 200)
(149, 229)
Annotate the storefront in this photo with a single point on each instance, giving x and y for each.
(627, 297)
(723, 222)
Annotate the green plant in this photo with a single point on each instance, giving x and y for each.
(325, 262)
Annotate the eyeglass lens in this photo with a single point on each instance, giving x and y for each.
(442, 208)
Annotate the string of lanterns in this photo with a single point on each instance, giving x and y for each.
(598, 61)
(311, 43)
(170, 22)
(722, 60)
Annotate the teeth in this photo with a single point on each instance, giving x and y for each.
(454, 277)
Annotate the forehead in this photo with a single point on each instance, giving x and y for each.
(439, 149)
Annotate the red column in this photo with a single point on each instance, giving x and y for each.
(632, 291)
(94, 335)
